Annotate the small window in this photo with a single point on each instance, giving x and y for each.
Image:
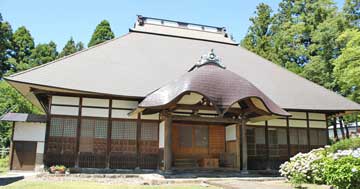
(202, 136)
(185, 136)
(149, 131)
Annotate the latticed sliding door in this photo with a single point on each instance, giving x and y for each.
(123, 144)
(61, 144)
(93, 143)
(149, 145)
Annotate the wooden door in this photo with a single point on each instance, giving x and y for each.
(24, 155)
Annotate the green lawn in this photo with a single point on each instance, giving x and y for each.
(92, 185)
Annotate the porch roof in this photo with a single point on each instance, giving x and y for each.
(23, 117)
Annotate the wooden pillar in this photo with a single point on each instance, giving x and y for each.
(327, 130)
(12, 146)
(308, 131)
(238, 146)
(356, 123)
(267, 146)
(167, 144)
(47, 131)
(138, 139)
(341, 128)
(336, 137)
(244, 151)
(78, 130)
(288, 137)
(108, 143)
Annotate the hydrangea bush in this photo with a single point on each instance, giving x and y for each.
(340, 168)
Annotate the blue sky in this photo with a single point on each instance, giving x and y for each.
(59, 20)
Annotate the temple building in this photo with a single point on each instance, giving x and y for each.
(169, 95)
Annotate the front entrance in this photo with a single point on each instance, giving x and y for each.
(198, 145)
(24, 155)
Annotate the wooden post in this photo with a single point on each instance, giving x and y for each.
(267, 145)
(356, 123)
(336, 137)
(138, 139)
(341, 128)
(167, 144)
(12, 146)
(308, 131)
(47, 131)
(108, 143)
(238, 146)
(78, 130)
(244, 153)
(327, 130)
(288, 137)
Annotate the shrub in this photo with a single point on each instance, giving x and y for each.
(57, 168)
(351, 143)
(4, 164)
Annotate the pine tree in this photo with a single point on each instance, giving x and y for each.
(43, 53)
(102, 33)
(5, 46)
(69, 48)
(23, 44)
(351, 10)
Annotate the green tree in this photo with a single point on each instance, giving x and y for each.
(258, 37)
(5, 46)
(102, 33)
(347, 65)
(351, 10)
(70, 48)
(43, 53)
(23, 44)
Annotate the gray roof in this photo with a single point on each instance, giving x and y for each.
(23, 117)
(140, 62)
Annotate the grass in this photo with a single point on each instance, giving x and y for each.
(351, 143)
(4, 165)
(86, 185)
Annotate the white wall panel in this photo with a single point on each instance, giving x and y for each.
(95, 112)
(161, 134)
(150, 116)
(230, 132)
(26, 131)
(299, 115)
(277, 122)
(317, 116)
(124, 104)
(64, 110)
(298, 123)
(260, 123)
(95, 102)
(318, 124)
(40, 148)
(122, 114)
(65, 100)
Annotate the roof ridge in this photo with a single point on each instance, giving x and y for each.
(65, 57)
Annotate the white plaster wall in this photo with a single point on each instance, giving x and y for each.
(318, 124)
(298, 123)
(63, 110)
(40, 147)
(122, 114)
(25, 131)
(193, 98)
(150, 116)
(230, 132)
(277, 122)
(65, 100)
(124, 104)
(95, 102)
(317, 116)
(95, 112)
(260, 123)
(161, 134)
(300, 115)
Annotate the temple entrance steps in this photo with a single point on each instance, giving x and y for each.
(185, 163)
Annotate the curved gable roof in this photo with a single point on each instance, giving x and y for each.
(138, 63)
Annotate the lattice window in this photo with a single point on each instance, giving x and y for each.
(314, 139)
(123, 130)
(281, 136)
(260, 135)
(250, 136)
(294, 139)
(302, 136)
(273, 143)
(323, 137)
(93, 135)
(201, 136)
(101, 128)
(63, 127)
(149, 131)
(185, 136)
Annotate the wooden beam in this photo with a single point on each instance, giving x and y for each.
(205, 119)
(12, 146)
(267, 145)
(308, 131)
(244, 169)
(78, 135)
(168, 143)
(109, 129)
(288, 137)
(238, 146)
(138, 139)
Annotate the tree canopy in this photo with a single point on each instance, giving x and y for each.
(102, 33)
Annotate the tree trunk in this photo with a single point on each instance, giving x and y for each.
(341, 128)
(336, 137)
